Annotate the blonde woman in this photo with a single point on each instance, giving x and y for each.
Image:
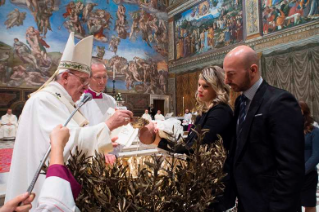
(215, 114)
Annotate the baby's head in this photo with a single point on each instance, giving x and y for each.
(147, 134)
(170, 129)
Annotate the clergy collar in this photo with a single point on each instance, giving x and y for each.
(95, 94)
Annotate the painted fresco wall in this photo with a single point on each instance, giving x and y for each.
(281, 14)
(207, 26)
(129, 35)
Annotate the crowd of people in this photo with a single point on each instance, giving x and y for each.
(269, 137)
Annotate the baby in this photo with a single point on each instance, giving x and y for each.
(153, 132)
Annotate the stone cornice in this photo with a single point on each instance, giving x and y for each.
(176, 4)
(300, 32)
(288, 35)
(180, 6)
(196, 62)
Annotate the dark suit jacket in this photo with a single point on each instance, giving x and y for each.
(152, 112)
(268, 156)
(218, 120)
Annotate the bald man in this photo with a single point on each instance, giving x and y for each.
(267, 152)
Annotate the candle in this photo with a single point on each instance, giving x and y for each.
(183, 104)
(113, 73)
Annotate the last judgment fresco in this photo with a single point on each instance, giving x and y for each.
(130, 36)
(208, 25)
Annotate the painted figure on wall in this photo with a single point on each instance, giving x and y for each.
(15, 18)
(130, 36)
(281, 14)
(121, 22)
(100, 52)
(220, 25)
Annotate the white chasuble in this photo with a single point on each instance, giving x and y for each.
(9, 125)
(41, 113)
(96, 111)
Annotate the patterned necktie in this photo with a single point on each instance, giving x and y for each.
(242, 111)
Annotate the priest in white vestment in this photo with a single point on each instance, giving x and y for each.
(187, 119)
(147, 116)
(95, 111)
(9, 124)
(159, 116)
(51, 106)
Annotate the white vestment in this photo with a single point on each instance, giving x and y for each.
(9, 124)
(187, 119)
(56, 196)
(59, 191)
(41, 113)
(147, 117)
(95, 112)
(159, 117)
(170, 129)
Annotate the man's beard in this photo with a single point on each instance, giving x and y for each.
(247, 82)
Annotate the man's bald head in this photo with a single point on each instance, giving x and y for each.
(241, 68)
(245, 55)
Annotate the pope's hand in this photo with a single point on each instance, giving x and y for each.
(119, 118)
(12, 205)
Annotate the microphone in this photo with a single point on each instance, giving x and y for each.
(86, 97)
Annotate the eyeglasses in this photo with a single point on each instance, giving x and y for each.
(99, 78)
(84, 81)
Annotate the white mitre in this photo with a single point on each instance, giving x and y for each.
(76, 57)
